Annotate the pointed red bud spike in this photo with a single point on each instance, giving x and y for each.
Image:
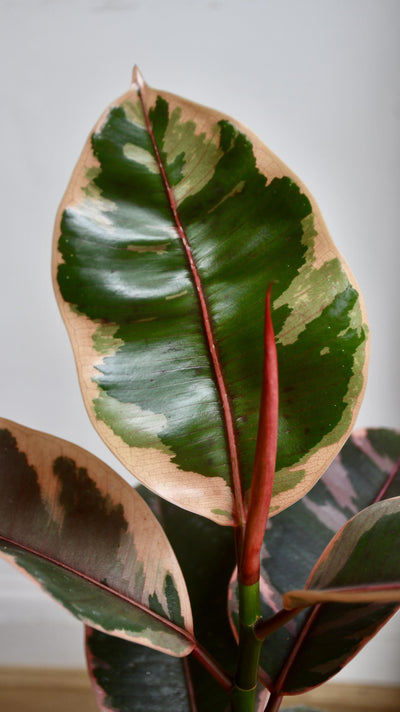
(265, 458)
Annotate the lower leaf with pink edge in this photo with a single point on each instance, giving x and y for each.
(90, 541)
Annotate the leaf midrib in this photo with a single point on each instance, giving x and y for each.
(89, 579)
(214, 357)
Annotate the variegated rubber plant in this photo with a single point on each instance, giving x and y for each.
(221, 346)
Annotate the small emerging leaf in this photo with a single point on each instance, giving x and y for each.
(265, 459)
(90, 541)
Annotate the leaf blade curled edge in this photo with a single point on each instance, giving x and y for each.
(80, 531)
(158, 167)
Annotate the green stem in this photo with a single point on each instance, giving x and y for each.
(244, 691)
(243, 700)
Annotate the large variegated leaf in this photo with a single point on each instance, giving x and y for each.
(359, 560)
(90, 541)
(366, 470)
(175, 221)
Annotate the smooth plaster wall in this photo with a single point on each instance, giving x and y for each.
(317, 80)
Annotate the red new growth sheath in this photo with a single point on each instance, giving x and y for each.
(265, 458)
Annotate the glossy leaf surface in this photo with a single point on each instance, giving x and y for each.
(90, 541)
(175, 221)
(366, 469)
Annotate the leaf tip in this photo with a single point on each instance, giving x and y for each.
(137, 78)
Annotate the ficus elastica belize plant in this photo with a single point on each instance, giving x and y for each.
(221, 345)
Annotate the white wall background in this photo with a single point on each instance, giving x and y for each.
(317, 80)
